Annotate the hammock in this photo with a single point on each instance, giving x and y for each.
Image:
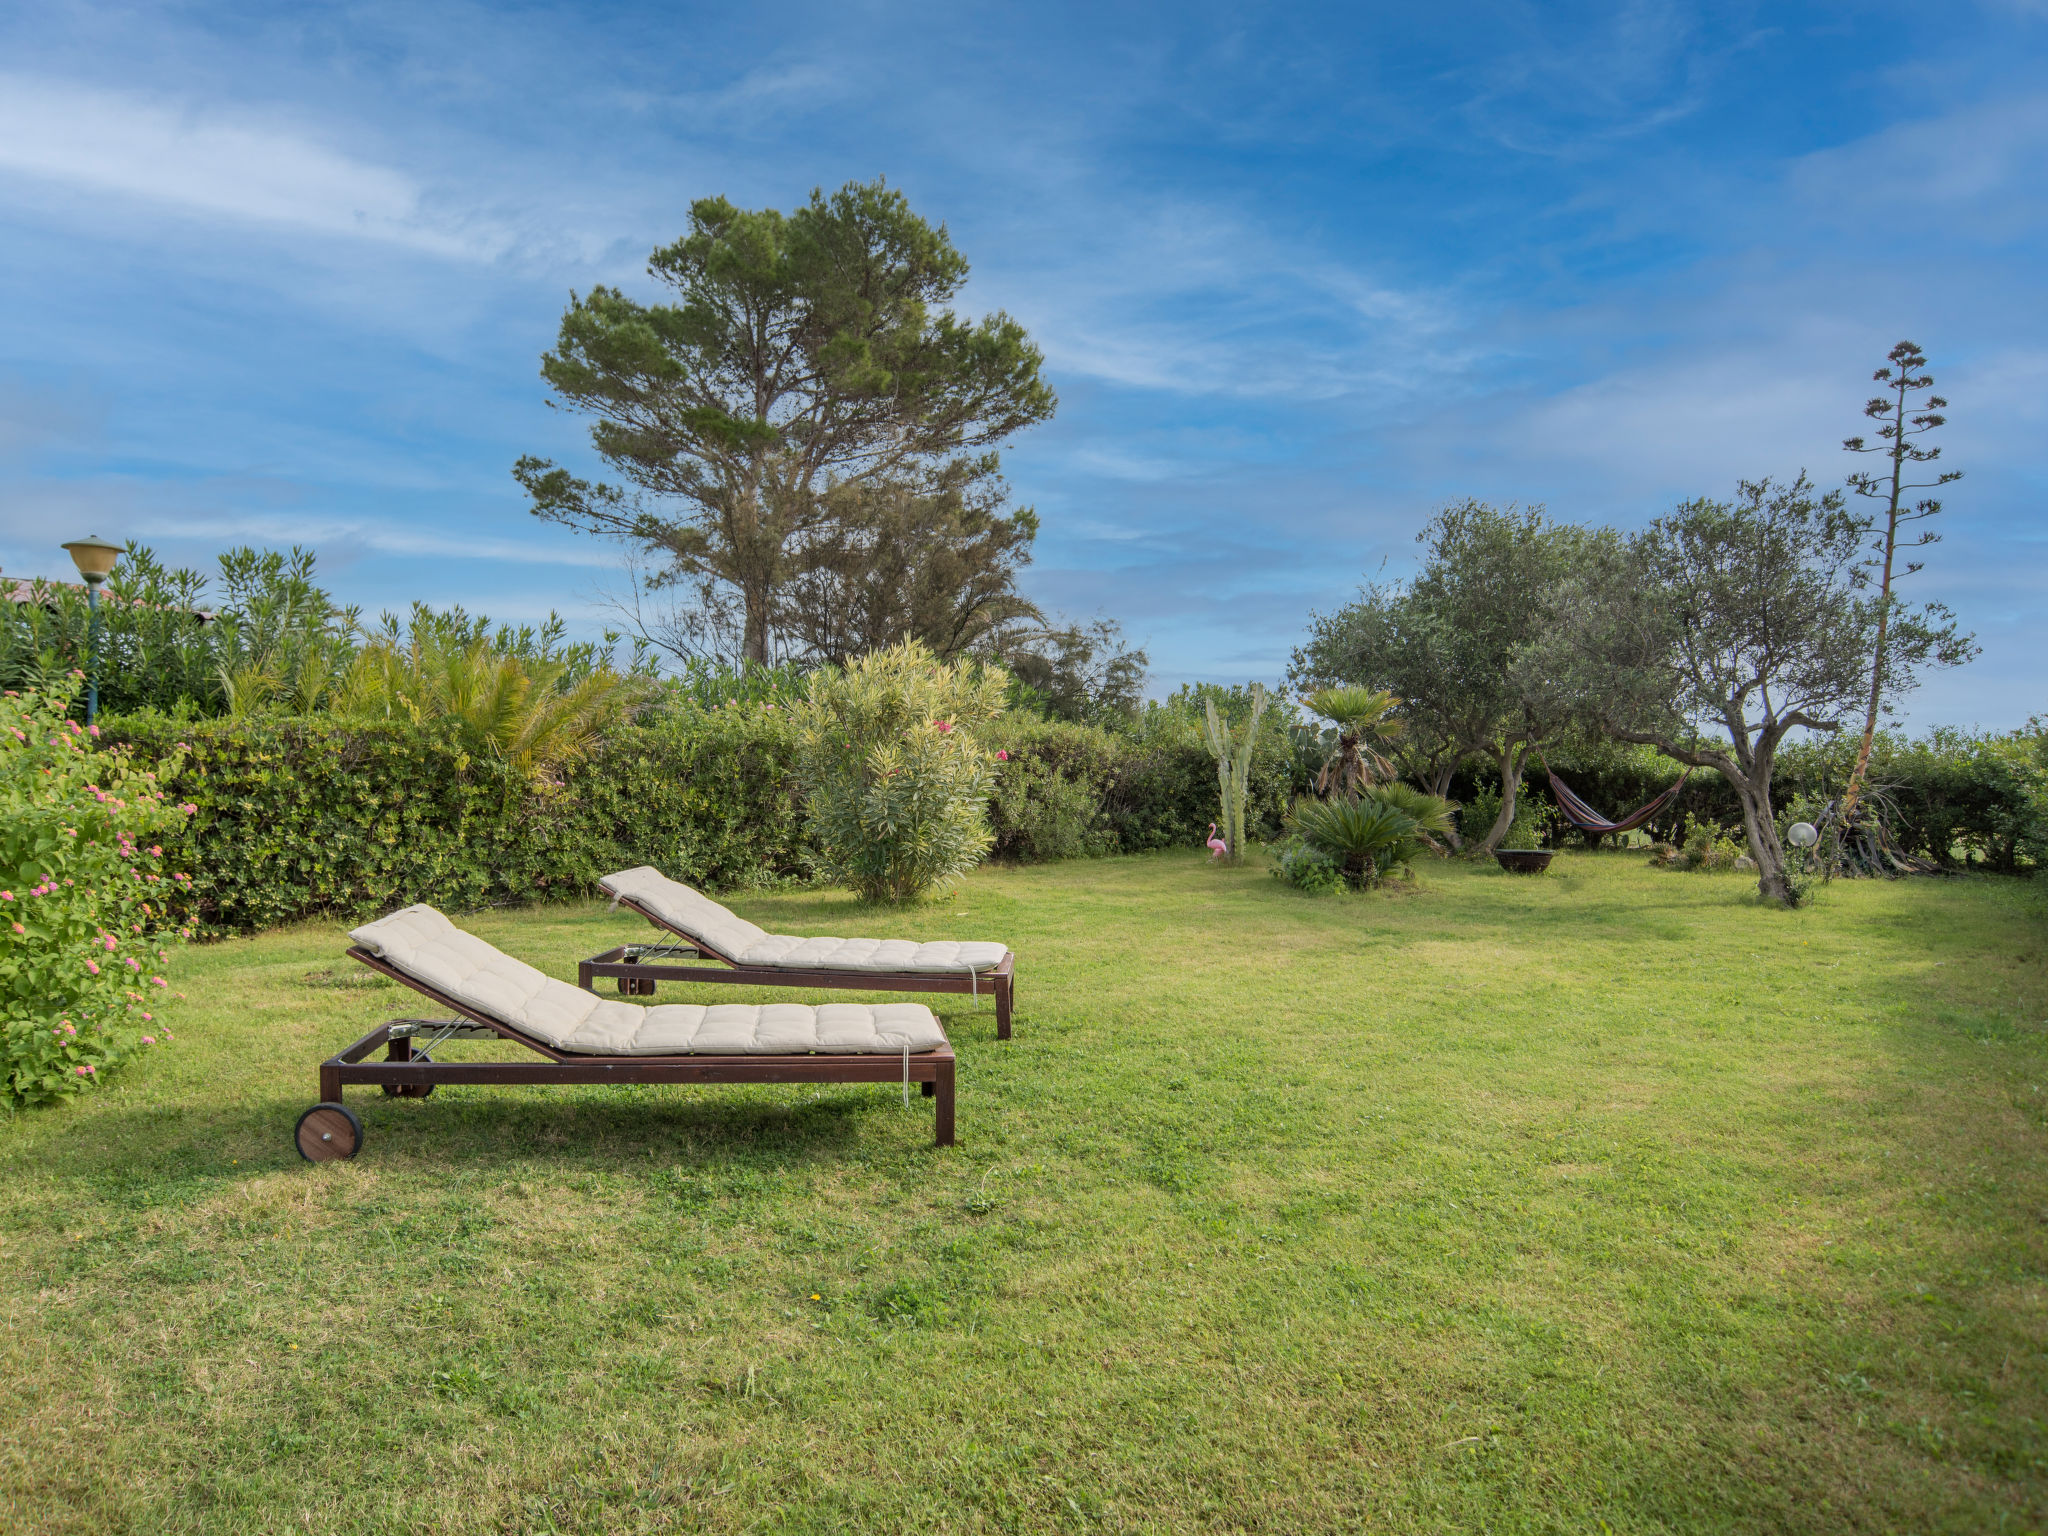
(1586, 819)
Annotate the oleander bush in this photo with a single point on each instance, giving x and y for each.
(897, 769)
(84, 925)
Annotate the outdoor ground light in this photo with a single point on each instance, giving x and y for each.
(1802, 834)
(95, 558)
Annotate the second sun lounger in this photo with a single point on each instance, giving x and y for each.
(750, 955)
(580, 1038)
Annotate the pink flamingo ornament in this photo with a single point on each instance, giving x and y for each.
(1217, 847)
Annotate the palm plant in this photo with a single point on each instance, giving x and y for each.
(535, 711)
(1362, 716)
(1433, 815)
(1368, 838)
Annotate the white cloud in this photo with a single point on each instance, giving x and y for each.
(340, 535)
(210, 163)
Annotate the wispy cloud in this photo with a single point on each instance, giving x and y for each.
(218, 164)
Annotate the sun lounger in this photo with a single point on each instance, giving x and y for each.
(750, 955)
(581, 1038)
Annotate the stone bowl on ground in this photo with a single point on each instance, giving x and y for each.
(1523, 861)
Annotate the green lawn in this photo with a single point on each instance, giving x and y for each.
(1605, 1201)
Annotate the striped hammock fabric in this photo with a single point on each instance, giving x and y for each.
(1586, 819)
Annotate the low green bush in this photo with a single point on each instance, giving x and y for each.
(897, 769)
(84, 900)
(1301, 864)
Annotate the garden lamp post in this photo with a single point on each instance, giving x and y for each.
(95, 558)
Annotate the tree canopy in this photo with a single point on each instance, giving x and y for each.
(1449, 644)
(802, 352)
(1723, 626)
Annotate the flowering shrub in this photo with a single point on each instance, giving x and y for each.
(83, 900)
(896, 770)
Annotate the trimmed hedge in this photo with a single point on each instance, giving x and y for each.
(315, 816)
(311, 816)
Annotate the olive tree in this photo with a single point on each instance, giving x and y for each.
(1722, 627)
(1449, 643)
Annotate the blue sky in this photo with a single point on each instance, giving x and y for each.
(283, 273)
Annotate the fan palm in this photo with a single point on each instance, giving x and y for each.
(1362, 716)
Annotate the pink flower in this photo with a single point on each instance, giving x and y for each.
(148, 1039)
(1002, 757)
(6, 895)
(158, 981)
(93, 966)
(155, 852)
(131, 962)
(189, 809)
(945, 726)
(19, 929)
(149, 1018)
(93, 731)
(84, 1071)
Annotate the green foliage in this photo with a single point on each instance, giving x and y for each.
(1051, 790)
(275, 639)
(1433, 815)
(1367, 839)
(897, 770)
(1153, 787)
(709, 685)
(83, 900)
(329, 816)
(1085, 673)
(1233, 748)
(1708, 846)
(1301, 864)
(522, 698)
(1529, 828)
(800, 352)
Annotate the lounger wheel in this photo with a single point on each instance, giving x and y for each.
(328, 1133)
(407, 1090)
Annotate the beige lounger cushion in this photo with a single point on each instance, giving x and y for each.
(422, 943)
(692, 913)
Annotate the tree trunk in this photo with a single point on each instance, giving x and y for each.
(1510, 760)
(1751, 781)
(755, 643)
(1754, 792)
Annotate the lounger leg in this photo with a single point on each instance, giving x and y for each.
(1005, 996)
(944, 1086)
(928, 1089)
(330, 1083)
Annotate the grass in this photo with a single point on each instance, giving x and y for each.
(1602, 1201)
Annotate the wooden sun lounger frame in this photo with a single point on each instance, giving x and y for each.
(637, 978)
(400, 1073)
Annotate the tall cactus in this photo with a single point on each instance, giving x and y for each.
(1234, 765)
